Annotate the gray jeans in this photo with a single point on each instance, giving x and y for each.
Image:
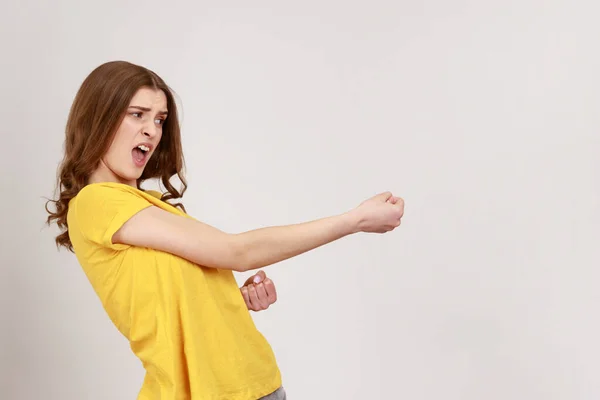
(279, 394)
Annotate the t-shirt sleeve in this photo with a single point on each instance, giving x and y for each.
(102, 210)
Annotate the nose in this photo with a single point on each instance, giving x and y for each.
(150, 130)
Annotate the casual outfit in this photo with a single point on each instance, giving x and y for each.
(189, 325)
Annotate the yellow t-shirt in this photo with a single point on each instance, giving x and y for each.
(189, 325)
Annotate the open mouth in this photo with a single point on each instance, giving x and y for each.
(140, 154)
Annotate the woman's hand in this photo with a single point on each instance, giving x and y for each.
(259, 292)
(379, 214)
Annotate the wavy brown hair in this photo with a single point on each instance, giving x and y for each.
(96, 113)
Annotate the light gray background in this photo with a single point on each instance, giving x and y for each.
(482, 115)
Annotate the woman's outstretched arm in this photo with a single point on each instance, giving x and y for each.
(210, 247)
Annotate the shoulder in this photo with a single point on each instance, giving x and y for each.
(100, 209)
(108, 194)
(106, 190)
(154, 193)
(102, 201)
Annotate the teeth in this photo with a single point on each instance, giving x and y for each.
(144, 148)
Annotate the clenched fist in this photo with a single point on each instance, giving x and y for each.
(379, 214)
(259, 292)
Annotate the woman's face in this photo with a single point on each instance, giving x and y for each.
(136, 139)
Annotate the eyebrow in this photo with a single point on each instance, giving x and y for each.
(148, 109)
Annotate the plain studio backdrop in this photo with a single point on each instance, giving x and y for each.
(483, 116)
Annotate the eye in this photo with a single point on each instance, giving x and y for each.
(137, 114)
(160, 121)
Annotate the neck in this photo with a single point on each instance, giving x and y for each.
(105, 174)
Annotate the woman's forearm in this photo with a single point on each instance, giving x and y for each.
(266, 246)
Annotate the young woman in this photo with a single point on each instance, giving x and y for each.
(166, 279)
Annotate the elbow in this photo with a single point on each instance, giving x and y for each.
(243, 263)
(240, 264)
(240, 260)
(240, 268)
